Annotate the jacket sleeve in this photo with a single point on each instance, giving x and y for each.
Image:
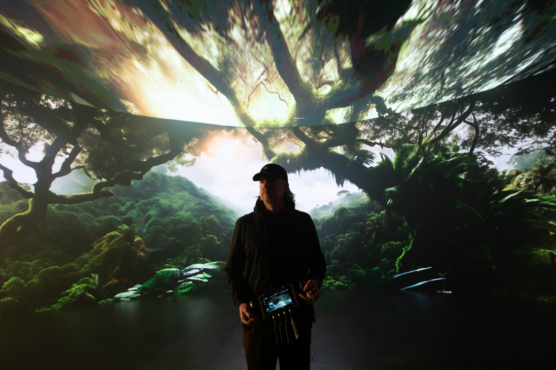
(317, 263)
(235, 267)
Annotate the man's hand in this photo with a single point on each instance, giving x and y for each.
(310, 291)
(247, 316)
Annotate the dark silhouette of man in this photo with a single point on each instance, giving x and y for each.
(271, 247)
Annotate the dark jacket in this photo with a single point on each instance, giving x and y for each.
(269, 251)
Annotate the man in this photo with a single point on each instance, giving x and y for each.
(271, 247)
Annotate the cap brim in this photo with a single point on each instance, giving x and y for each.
(258, 176)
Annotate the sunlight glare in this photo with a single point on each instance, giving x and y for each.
(224, 150)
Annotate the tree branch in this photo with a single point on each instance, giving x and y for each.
(203, 66)
(84, 170)
(476, 138)
(341, 98)
(70, 135)
(162, 20)
(342, 72)
(135, 170)
(123, 177)
(282, 57)
(145, 166)
(372, 143)
(453, 124)
(268, 152)
(66, 166)
(258, 83)
(21, 150)
(303, 137)
(442, 118)
(279, 97)
(47, 118)
(344, 134)
(12, 183)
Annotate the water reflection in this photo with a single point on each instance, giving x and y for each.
(353, 329)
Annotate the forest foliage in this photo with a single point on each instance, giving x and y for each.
(90, 252)
(485, 231)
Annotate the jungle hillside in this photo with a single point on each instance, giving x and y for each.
(90, 252)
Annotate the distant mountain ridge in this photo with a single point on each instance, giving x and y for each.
(349, 200)
(91, 251)
(157, 196)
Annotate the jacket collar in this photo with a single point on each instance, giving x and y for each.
(260, 211)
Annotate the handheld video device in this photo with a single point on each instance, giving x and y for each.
(278, 300)
(276, 304)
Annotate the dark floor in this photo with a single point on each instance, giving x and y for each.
(372, 330)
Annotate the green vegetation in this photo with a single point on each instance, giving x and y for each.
(90, 252)
(361, 245)
(484, 231)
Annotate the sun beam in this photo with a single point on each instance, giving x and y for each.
(224, 150)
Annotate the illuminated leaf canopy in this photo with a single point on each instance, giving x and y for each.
(263, 63)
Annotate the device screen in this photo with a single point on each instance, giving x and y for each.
(278, 300)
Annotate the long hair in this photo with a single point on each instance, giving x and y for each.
(289, 198)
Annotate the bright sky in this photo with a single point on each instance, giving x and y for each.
(229, 175)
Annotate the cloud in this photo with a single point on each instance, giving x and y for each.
(233, 180)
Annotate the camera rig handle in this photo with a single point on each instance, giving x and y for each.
(286, 326)
(294, 326)
(275, 334)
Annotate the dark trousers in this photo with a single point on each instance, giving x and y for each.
(261, 351)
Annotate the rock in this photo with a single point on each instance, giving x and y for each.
(134, 288)
(197, 266)
(191, 272)
(198, 278)
(126, 296)
(163, 280)
(204, 266)
(176, 272)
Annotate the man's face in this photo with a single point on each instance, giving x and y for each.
(272, 189)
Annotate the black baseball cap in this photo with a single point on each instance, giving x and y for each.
(272, 170)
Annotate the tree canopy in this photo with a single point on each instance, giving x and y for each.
(107, 146)
(272, 63)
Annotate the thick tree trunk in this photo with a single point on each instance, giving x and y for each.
(20, 226)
